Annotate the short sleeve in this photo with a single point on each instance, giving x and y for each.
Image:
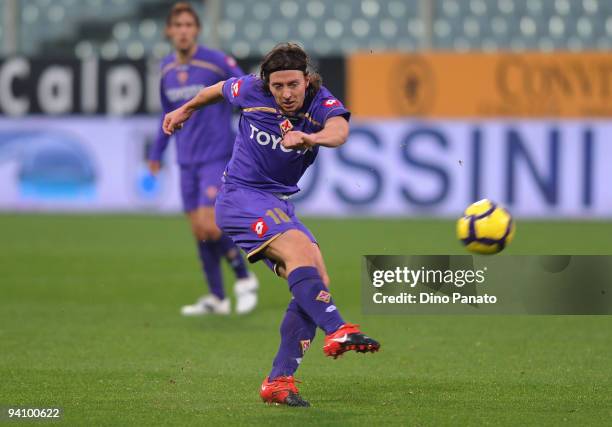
(235, 89)
(327, 106)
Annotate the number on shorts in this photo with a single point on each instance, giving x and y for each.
(283, 216)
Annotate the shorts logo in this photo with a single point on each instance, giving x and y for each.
(259, 227)
(236, 88)
(305, 344)
(286, 126)
(324, 296)
(331, 103)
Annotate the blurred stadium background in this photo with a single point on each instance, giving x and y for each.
(452, 100)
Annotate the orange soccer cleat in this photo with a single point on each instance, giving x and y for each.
(348, 338)
(282, 390)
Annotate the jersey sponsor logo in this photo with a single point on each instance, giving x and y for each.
(183, 93)
(259, 227)
(331, 103)
(286, 126)
(264, 138)
(324, 296)
(305, 344)
(236, 88)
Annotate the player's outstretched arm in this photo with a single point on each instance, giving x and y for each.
(334, 134)
(209, 95)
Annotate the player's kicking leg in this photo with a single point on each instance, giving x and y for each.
(303, 267)
(299, 260)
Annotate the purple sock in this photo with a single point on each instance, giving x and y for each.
(231, 252)
(297, 332)
(211, 264)
(314, 298)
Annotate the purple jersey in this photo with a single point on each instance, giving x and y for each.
(259, 160)
(208, 135)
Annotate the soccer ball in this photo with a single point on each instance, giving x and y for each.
(485, 227)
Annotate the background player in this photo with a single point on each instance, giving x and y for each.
(286, 116)
(203, 148)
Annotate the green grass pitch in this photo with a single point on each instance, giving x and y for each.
(89, 321)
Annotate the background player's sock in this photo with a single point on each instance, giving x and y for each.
(313, 297)
(297, 332)
(231, 252)
(211, 265)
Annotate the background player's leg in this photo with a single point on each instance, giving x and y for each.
(214, 302)
(225, 245)
(297, 332)
(210, 260)
(246, 285)
(209, 183)
(211, 265)
(209, 254)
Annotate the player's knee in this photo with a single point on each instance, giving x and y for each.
(232, 254)
(280, 270)
(205, 231)
(302, 257)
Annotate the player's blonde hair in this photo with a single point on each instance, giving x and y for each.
(289, 56)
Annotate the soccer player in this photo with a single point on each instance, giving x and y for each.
(203, 149)
(286, 116)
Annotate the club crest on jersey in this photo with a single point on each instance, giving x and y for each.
(305, 344)
(182, 77)
(259, 227)
(324, 296)
(331, 103)
(236, 88)
(286, 126)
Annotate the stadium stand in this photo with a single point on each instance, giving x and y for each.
(135, 28)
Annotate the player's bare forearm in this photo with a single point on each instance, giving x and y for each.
(208, 95)
(334, 133)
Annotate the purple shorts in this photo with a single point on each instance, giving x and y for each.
(200, 184)
(254, 218)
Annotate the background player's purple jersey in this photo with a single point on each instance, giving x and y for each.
(208, 135)
(259, 160)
